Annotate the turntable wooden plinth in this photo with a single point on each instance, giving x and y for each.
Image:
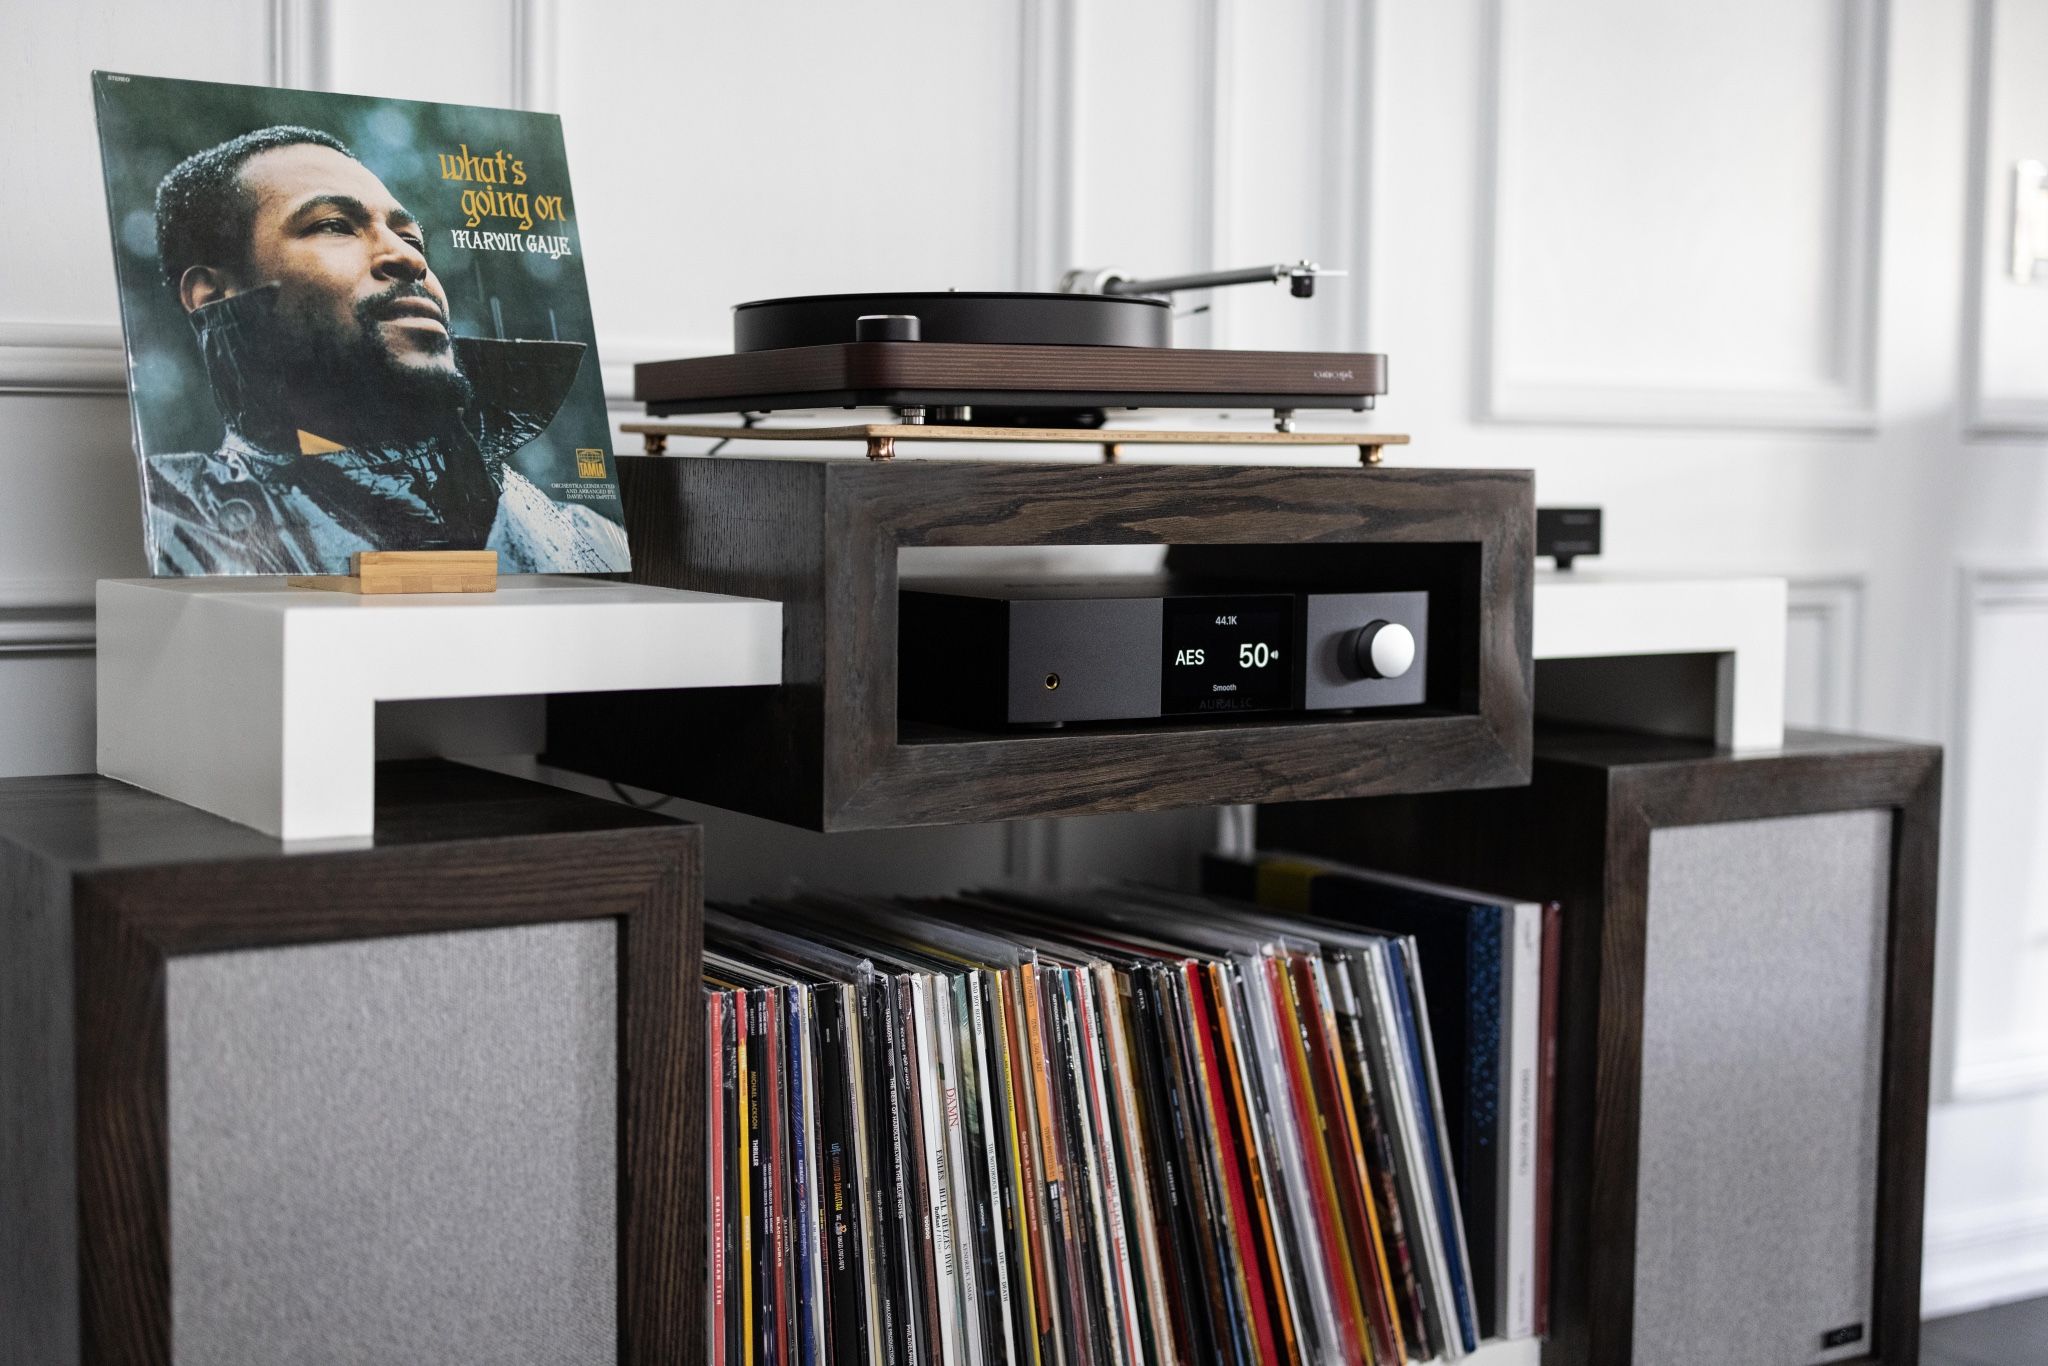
(926, 374)
(880, 438)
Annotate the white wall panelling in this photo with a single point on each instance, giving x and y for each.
(1045, 158)
(452, 51)
(60, 266)
(61, 358)
(1289, 168)
(301, 42)
(1998, 865)
(1987, 1237)
(1217, 190)
(1143, 160)
(723, 153)
(2005, 330)
(536, 37)
(43, 617)
(1349, 117)
(1628, 279)
(1824, 652)
(51, 733)
(1985, 1257)
(1682, 203)
(46, 663)
(345, 45)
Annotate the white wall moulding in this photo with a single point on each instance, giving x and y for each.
(1984, 1257)
(1146, 135)
(1615, 288)
(536, 38)
(257, 702)
(62, 358)
(46, 630)
(2005, 323)
(1350, 77)
(1824, 652)
(1046, 193)
(1217, 191)
(1260, 184)
(45, 617)
(885, 103)
(1986, 1073)
(301, 43)
(1998, 809)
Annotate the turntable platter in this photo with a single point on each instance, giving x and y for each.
(1009, 319)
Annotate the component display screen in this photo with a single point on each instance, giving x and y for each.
(1228, 654)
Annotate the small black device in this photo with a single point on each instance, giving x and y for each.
(990, 652)
(1564, 534)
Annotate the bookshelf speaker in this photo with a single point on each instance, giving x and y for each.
(416, 1101)
(1763, 1045)
(1746, 986)
(409, 1141)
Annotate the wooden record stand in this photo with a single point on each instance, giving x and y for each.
(374, 572)
(881, 437)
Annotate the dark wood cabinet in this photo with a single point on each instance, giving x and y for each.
(440, 1092)
(1747, 988)
(827, 749)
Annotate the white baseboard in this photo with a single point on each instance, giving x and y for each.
(1991, 1257)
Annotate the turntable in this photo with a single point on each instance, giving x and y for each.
(1008, 367)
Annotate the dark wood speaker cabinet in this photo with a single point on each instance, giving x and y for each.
(107, 891)
(826, 749)
(1646, 941)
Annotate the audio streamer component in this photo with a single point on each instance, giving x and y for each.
(994, 653)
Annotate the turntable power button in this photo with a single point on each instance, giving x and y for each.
(1385, 649)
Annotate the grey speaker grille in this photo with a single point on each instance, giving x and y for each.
(397, 1151)
(1762, 1040)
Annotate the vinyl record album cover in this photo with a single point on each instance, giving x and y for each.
(1121, 1127)
(354, 324)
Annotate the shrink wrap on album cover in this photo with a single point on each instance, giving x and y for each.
(1120, 1127)
(354, 324)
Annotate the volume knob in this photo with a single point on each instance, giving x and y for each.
(1384, 649)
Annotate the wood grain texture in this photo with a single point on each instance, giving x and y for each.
(662, 1121)
(1908, 1043)
(859, 373)
(1580, 833)
(409, 571)
(825, 749)
(38, 1162)
(1056, 436)
(455, 849)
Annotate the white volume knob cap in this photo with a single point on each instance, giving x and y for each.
(1386, 649)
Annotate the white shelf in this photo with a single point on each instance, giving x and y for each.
(1739, 622)
(257, 702)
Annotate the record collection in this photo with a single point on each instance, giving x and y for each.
(1120, 1127)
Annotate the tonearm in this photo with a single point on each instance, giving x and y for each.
(1301, 277)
